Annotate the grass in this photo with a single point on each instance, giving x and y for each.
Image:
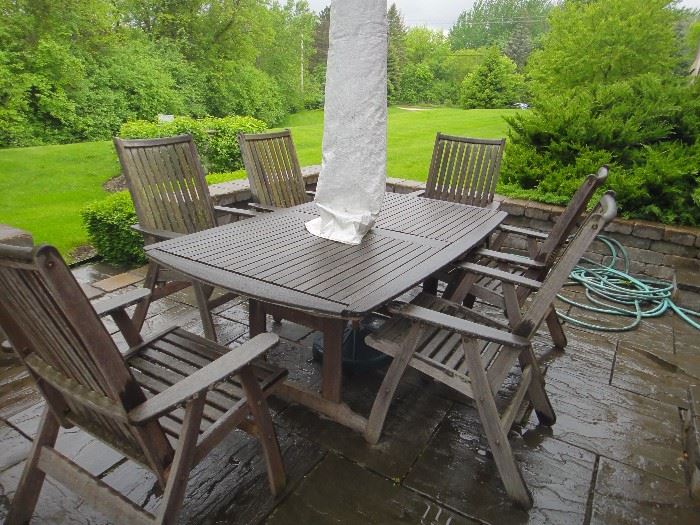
(411, 135)
(43, 189)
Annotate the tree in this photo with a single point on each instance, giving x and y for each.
(396, 53)
(493, 22)
(494, 84)
(602, 42)
(519, 46)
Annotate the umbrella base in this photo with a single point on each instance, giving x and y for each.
(357, 356)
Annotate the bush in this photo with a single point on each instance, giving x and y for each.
(108, 223)
(242, 89)
(645, 128)
(216, 138)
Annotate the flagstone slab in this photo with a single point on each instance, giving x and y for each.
(14, 446)
(458, 470)
(415, 413)
(339, 491)
(635, 430)
(645, 374)
(57, 505)
(625, 495)
(17, 390)
(230, 485)
(89, 452)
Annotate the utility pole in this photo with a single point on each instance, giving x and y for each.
(302, 65)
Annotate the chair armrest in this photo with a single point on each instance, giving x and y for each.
(418, 193)
(526, 232)
(509, 258)
(162, 235)
(507, 277)
(234, 211)
(461, 326)
(203, 379)
(120, 302)
(263, 207)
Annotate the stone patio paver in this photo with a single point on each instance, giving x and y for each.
(627, 495)
(458, 470)
(339, 491)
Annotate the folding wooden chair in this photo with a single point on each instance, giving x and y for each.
(165, 404)
(167, 184)
(273, 170)
(486, 265)
(464, 170)
(474, 354)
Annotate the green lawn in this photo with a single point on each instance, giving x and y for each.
(43, 189)
(411, 135)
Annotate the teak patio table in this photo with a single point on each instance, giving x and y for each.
(291, 274)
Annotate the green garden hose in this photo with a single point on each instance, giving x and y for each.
(616, 292)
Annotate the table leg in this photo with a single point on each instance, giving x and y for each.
(332, 359)
(257, 318)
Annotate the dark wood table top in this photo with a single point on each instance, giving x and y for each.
(273, 258)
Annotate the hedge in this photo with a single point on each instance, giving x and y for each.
(108, 223)
(216, 138)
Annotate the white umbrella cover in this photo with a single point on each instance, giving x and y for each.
(352, 182)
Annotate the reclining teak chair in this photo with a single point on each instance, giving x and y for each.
(484, 270)
(464, 170)
(167, 184)
(474, 354)
(165, 404)
(273, 170)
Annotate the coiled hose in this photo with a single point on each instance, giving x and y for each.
(617, 293)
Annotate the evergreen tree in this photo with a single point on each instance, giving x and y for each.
(519, 47)
(396, 55)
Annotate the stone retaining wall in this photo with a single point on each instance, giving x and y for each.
(655, 250)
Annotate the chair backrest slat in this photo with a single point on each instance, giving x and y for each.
(60, 339)
(273, 168)
(596, 221)
(567, 220)
(167, 183)
(464, 170)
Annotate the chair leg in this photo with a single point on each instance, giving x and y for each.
(182, 463)
(202, 293)
(393, 376)
(556, 330)
(142, 307)
(498, 439)
(536, 391)
(268, 438)
(30, 484)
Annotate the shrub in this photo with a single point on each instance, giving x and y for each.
(645, 128)
(216, 138)
(108, 223)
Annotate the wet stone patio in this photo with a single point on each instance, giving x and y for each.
(615, 454)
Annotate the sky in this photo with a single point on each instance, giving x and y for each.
(439, 14)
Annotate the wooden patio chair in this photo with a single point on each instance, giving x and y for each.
(464, 170)
(167, 184)
(474, 354)
(164, 404)
(479, 276)
(273, 170)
